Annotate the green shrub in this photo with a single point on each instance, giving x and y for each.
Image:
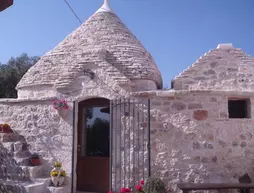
(154, 185)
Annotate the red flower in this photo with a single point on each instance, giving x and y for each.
(123, 190)
(138, 188)
(110, 192)
(127, 190)
(142, 182)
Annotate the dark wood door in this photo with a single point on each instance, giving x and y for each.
(93, 146)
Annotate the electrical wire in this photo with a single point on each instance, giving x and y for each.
(73, 11)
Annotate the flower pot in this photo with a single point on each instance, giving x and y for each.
(60, 180)
(54, 180)
(35, 161)
(5, 129)
(62, 112)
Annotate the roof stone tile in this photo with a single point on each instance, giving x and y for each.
(103, 39)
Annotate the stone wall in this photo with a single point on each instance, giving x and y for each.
(44, 130)
(193, 140)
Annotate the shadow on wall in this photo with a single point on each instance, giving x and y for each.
(13, 157)
(43, 129)
(57, 138)
(17, 168)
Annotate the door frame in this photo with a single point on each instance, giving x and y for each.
(75, 141)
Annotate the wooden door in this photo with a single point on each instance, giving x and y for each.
(93, 145)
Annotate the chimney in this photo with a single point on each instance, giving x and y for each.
(225, 46)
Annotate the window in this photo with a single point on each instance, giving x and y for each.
(97, 131)
(93, 128)
(239, 108)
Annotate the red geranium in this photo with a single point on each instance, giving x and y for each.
(125, 190)
(138, 188)
(142, 182)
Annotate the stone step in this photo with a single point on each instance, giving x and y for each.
(40, 172)
(22, 154)
(21, 187)
(25, 161)
(46, 181)
(36, 188)
(20, 146)
(61, 189)
(9, 146)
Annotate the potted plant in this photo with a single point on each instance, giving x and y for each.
(57, 174)
(5, 128)
(154, 185)
(54, 177)
(35, 159)
(58, 165)
(61, 106)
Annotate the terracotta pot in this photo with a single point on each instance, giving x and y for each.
(5, 129)
(35, 161)
(62, 112)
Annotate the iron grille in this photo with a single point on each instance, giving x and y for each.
(129, 142)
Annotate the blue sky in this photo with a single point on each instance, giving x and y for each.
(175, 32)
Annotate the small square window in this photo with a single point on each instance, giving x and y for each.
(239, 108)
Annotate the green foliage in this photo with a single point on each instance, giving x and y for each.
(154, 185)
(12, 72)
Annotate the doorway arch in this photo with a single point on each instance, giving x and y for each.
(93, 143)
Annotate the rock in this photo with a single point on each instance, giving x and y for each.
(200, 115)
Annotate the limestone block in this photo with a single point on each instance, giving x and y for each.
(35, 188)
(18, 146)
(200, 115)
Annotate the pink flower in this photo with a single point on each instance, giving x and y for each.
(110, 192)
(138, 188)
(127, 190)
(58, 104)
(123, 190)
(142, 182)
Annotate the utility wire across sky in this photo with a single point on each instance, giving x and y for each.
(72, 11)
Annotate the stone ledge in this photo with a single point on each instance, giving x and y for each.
(173, 93)
(17, 100)
(62, 189)
(35, 188)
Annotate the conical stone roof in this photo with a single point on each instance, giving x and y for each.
(102, 34)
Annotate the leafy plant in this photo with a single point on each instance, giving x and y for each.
(58, 104)
(137, 189)
(54, 174)
(154, 185)
(34, 156)
(57, 164)
(63, 173)
(12, 72)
